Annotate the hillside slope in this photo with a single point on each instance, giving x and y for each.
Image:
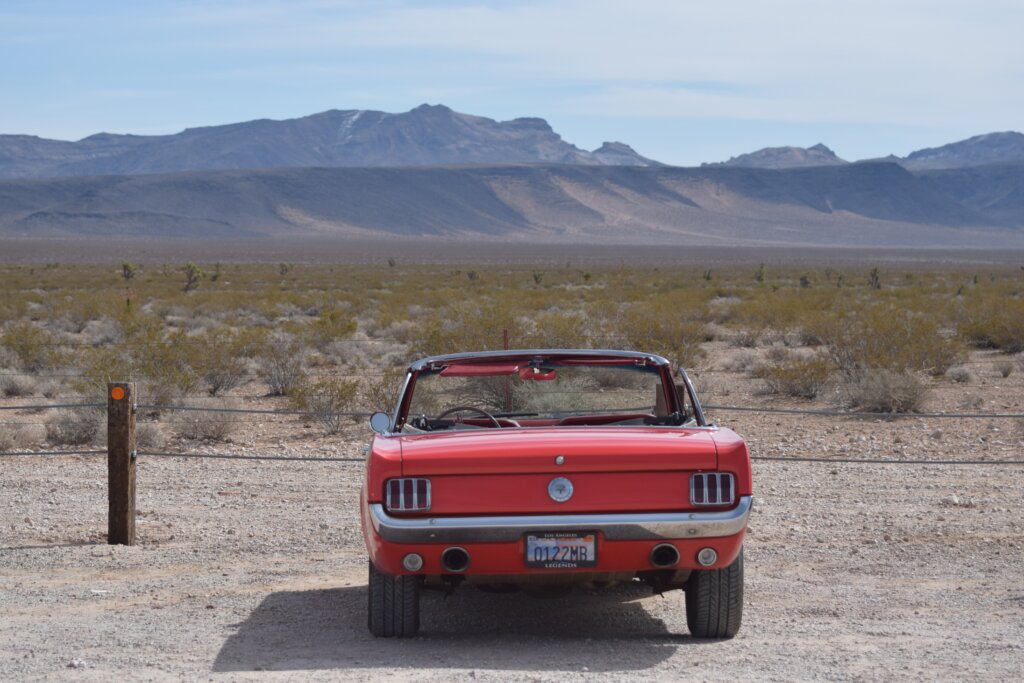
(862, 204)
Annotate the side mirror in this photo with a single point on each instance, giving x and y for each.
(380, 423)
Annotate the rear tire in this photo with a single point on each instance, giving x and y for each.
(393, 609)
(714, 601)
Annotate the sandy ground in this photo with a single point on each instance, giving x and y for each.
(256, 570)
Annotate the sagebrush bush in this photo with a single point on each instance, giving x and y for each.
(13, 385)
(223, 362)
(747, 338)
(1003, 367)
(741, 361)
(885, 391)
(326, 400)
(970, 402)
(149, 435)
(73, 427)
(960, 375)
(798, 376)
(332, 324)
(9, 437)
(994, 324)
(198, 425)
(281, 364)
(380, 392)
(33, 347)
(664, 333)
(880, 337)
(468, 327)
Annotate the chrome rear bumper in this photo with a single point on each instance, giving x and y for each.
(615, 527)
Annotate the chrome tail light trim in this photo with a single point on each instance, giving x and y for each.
(712, 488)
(407, 494)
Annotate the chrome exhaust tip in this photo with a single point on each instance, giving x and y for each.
(664, 555)
(455, 559)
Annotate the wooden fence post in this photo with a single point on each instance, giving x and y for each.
(121, 463)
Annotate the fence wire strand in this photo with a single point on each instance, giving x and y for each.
(55, 405)
(305, 413)
(850, 413)
(18, 453)
(235, 456)
(881, 461)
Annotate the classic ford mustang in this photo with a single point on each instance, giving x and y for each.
(544, 469)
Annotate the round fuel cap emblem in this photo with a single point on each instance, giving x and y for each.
(560, 489)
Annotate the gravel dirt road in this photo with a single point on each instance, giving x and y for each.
(256, 570)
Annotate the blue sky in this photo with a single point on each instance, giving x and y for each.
(683, 82)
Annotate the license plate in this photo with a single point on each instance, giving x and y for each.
(561, 549)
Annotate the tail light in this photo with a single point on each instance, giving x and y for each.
(407, 494)
(712, 488)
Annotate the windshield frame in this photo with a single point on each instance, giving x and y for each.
(674, 401)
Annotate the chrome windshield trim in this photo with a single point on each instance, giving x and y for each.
(615, 527)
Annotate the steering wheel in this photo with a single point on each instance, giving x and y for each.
(459, 409)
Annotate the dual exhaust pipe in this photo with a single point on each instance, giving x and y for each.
(455, 560)
(663, 556)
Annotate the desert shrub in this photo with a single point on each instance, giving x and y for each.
(33, 347)
(560, 330)
(885, 391)
(741, 361)
(706, 387)
(1003, 367)
(50, 388)
(648, 329)
(168, 365)
(73, 427)
(381, 392)
(993, 323)
(331, 325)
(149, 435)
(13, 385)
(801, 377)
(327, 400)
(9, 437)
(970, 402)
(221, 360)
(960, 375)
(879, 337)
(467, 327)
(163, 365)
(199, 425)
(747, 337)
(280, 364)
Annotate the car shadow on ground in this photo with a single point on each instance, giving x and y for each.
(470, 629)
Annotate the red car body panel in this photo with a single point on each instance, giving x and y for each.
(506, 471)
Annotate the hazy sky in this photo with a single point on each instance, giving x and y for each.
(683, 82)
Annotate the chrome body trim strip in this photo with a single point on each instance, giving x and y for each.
(615, 527)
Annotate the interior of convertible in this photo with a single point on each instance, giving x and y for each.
(543, 393)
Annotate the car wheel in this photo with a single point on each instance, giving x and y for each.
(714, 601)
(393, 605)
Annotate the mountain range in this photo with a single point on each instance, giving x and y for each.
(425, 136)
(438, 173)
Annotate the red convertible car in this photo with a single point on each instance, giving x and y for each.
(545, 469)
